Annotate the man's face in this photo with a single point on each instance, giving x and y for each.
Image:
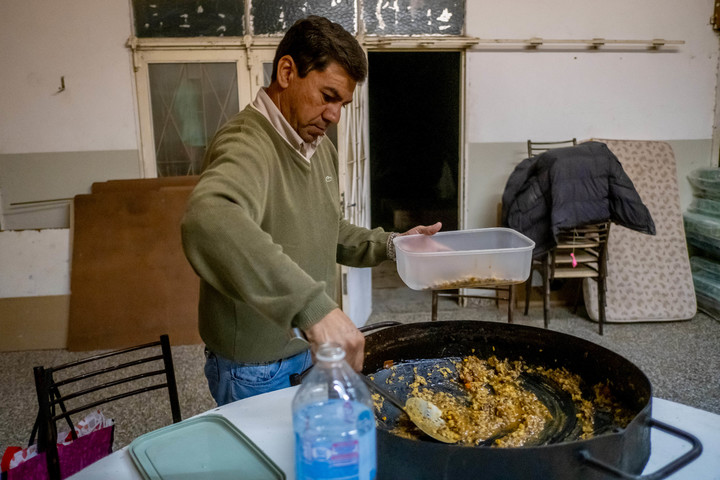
(313, 103)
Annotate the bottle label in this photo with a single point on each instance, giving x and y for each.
(335, 441)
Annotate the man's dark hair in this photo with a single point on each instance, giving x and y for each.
(315, 42)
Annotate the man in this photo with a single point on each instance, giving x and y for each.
(264, 230)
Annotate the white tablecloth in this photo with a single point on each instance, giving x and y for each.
(267, 421)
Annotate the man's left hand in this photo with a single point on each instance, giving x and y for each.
(425, 230)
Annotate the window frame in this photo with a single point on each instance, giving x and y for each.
(248, 63)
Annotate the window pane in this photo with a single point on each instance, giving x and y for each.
(267, 73)
(274, 17)
(414, 17)
(189, 18)
(190, 101)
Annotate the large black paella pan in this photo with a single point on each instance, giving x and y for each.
(617, 447)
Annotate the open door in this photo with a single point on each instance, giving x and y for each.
(354, 175)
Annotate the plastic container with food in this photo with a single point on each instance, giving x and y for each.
(464, 258)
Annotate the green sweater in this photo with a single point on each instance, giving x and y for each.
(264, 231)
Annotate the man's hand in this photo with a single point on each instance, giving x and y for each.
(425, 230)
(338, 328)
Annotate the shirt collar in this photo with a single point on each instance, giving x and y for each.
(265, 105)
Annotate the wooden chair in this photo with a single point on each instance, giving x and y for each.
(64, 390)
(586, 248)
(535, 148)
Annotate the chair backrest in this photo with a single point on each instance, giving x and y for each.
(586, 236)
(536, 148)
(71, 388)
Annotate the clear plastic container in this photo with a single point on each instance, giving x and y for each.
(703, 233)
(464, 258)
(706, 278)
(707, 266)
(705, 206)
(702, 225)
(706, 275)
(706, 181)
(709, 305)
(706, 245)
(333, 421)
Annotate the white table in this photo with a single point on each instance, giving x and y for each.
(267, 420)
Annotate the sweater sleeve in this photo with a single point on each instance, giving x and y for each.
(361, 247)
(225, 244)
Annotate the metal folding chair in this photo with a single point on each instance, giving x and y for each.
(66, 390)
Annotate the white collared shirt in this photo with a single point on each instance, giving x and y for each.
(265, 105)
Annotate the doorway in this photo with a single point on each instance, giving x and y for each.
(414, 130)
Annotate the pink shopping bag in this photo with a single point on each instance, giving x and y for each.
(73, 456)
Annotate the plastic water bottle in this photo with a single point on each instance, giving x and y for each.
(334, 422)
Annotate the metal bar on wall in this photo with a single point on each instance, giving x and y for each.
(593, 43)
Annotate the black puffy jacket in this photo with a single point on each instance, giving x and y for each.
(569, 187)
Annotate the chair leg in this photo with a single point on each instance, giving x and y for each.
(433, 316)
(546, 290)
(578, 292)
(170, 376)
(511, 301)
(47, 431)
(601, 303)
(528, 291)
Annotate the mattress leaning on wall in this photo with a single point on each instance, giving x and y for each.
(648, 277)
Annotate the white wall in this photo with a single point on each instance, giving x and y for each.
(84, 41)
(632, 94)
(44, 256)
(42, 42)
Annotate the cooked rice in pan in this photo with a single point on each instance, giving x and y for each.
(497, 409)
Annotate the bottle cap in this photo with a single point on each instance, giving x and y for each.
(330, 352)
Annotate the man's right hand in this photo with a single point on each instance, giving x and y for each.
(338, 328)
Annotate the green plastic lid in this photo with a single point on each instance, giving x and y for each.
(202, 447)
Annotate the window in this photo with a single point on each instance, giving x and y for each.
(190, 101)
(186, 94)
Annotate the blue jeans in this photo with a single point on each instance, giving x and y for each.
(230, 381)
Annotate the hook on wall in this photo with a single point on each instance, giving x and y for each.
(62, 85)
